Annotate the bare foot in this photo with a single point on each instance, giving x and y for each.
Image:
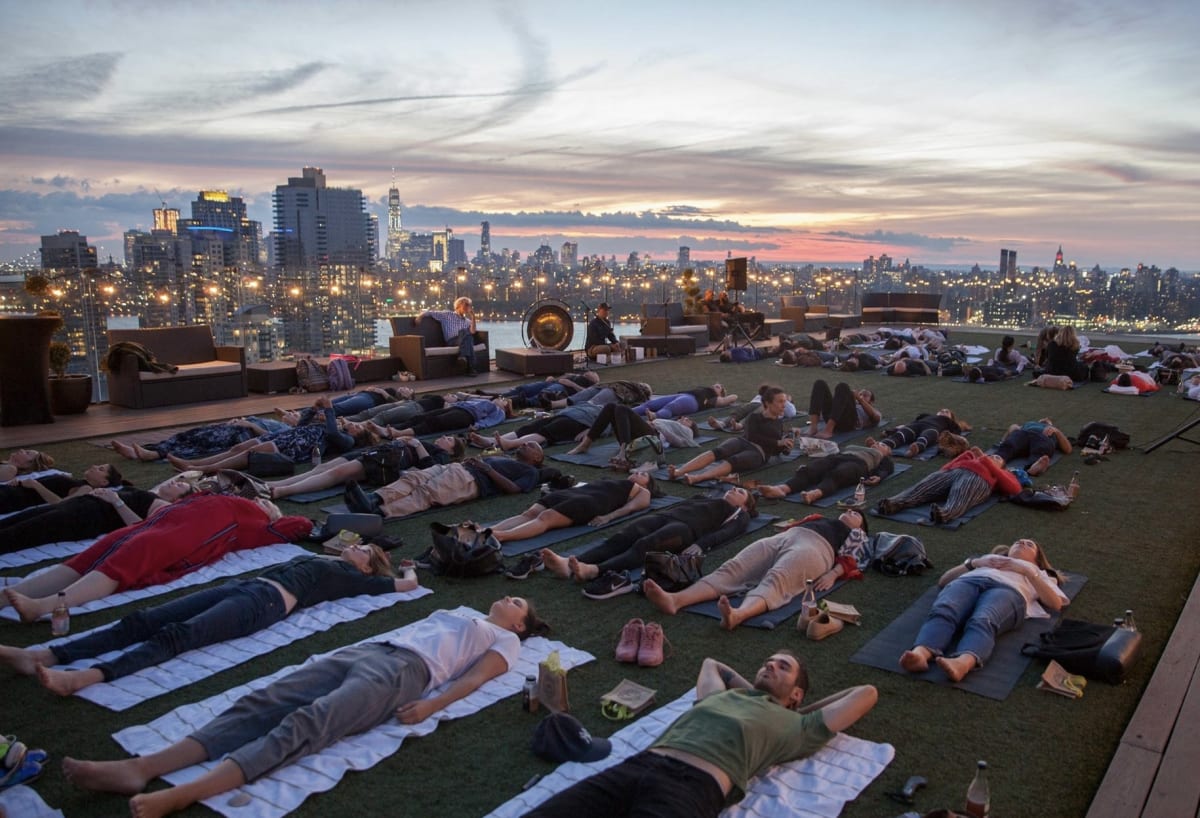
(958, 667)
(659, 598)
(122, 777)
(773, 491)
(1039, 465)
(672, 474)
(178, 462)
(66, 682)
(25, 661)
(155, 804)
(479, 440)
(29, 609)
(555, 564)
(730, 478)
(826, 433)
(687, 479)
(810, 497)
(124, 449)
(914, 450)
(582, 571)
(728, 614)
(583, 446)
(916, 660)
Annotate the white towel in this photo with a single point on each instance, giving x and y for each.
(25, 802)
(194, 665)
(230, 565)
(41, 553)
(819, 785)
(285, 789)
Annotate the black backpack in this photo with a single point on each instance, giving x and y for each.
(463, 551)
(898, 555)
(1117, 438)
(1102, 652)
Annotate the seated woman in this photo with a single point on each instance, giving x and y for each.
(295, 444)
(688, 402)
(704, 521)
(597, 503)
(822, 476)
(737, 414)
(627, 426)
(85, 516)
(54, 488)
(1062, 356)
(843, 410)
(563, 426)
(24, 461)
(920, 434)
(771, 571)
(349, 692)
(963, 483)
(238, 608)
(763, 438)
(1133, 383)
(1036, 438)
(202, 441)
(981, 599)
(478, 413)
(1009, 357)
(375, 466)
(175, 540)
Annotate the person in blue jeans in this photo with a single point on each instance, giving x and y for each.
(458, 328)
(238, 608)
(981, 599)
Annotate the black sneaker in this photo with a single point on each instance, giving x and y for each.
(608, 584)
(528, 564)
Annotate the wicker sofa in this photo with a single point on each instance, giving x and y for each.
(422, 349)
(206, 371)
(901, 308)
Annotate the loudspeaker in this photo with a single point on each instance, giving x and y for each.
(735, 274)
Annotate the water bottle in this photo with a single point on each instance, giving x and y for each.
(529, 699)
(979, 800)
(1073, 486)
(808, 603)
(316, 456)
(860, 493)
(1129, 624)
(60, 617)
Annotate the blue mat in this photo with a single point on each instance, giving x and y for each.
(795, 454)
(766, 621)
(314, 496)
(995, 680)
(846, 493)
(557, 535)
(919, 515)
(599, 456)
(1026, 462)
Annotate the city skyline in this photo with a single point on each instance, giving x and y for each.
(789, 133)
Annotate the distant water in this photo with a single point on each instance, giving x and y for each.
(508, 334)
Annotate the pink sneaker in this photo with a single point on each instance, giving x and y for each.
(631, 641)
(650, 652)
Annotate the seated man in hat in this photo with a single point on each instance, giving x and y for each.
(736, 730)
(600, 337)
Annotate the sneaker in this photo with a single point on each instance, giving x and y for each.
(630, 641)
(528, 564)
(608, 584)
(823, 626)
(650, 652)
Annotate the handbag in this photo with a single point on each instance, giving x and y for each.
(463, 551)
(552, 684)
(674, 572)
(1102, 652)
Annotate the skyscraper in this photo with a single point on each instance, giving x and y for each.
(568, 257)
(67, 250)
(485, 241)
(317, 225)
(396, 236)
(1008, 265)
(685, 258)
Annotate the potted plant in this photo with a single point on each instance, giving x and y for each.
(69, 394)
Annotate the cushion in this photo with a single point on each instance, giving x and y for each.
(205, 369)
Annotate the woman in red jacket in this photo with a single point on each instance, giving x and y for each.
(171, 542)
(964, 482)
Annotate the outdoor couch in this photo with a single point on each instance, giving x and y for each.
(901, 308)
(424, 351)
(205, 371)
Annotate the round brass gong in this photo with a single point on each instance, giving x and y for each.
(548, 325)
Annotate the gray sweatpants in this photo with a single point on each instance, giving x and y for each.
(774, 568)
(346, 693)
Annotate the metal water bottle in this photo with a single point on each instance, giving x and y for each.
(979, 800)
(60, 617)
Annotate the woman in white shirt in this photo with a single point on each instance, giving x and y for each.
(983, 598)
(348, 692)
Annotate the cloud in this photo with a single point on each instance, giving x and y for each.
(226, 91)
(73, 79)
(934, 243)
(432, 217)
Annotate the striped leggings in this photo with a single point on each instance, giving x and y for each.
(960, 490)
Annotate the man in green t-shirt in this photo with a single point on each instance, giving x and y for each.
(703, 760)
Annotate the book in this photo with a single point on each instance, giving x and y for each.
(847, 613)
(1055, 679)
(338, 542)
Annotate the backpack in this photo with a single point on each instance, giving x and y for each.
(463, 551)
(310, 375)
(1101, 652)
(1116, 438)
(1053, 498)
(340, 378)
(674, 572)
(898, 555)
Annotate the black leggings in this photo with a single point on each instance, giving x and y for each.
(627, 549)
(828, 474)
(900, 437)
(450, 419)
(626, 423)
(739, 453)
(554, 429)
(839, 405)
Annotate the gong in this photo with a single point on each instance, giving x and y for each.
(548, 325)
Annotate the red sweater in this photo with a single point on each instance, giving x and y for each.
(183, 536)
(998, 477)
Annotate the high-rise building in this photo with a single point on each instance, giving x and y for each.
(67, 250)
(684, 259)
(485, 240)
(568, 257)
(1008, 265)
(166, 218)
(220, 220)
(396, 235)
(317, 225)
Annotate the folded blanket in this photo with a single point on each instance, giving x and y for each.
(819, 785)
(230, 565)
(194, 665)
(41, 553)
(23, 801)
(285, 789)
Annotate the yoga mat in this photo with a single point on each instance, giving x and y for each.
(194, 665)
(599, 456)
(1026, 462)
(41, 553)
(995, 680)
(819, 786)
(314, 496)
(285, 789)
(848, 492)
(557, 535)
(795, 454)
(919, 515)
(767, 621)
(1108, 391)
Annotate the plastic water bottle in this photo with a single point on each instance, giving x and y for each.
(808, 603)
(979, 800)
(1129, 624)
(60, 617)
(1073, 486)
(529, 699)
(316, 456)
(860, 493)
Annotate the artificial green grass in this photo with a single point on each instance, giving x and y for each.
(1132, 531)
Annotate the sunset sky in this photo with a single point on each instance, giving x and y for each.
(934, 131)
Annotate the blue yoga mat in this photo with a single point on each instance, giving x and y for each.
(599, 456)
(846, 493)
(766, 621)
(995, 680)
(314, 496)
(919, 515)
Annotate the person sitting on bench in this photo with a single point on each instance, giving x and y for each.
(600, 337)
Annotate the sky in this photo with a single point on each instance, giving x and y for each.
(791, 131)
